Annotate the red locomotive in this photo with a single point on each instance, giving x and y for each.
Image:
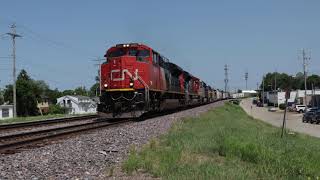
(136, 79)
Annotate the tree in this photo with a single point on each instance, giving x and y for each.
(28, 93)
(270, 83)
(67, 92)
(81, 91)
(53, 95)
(1, 97)
(284, 81)
(313, 80)
(94, 90)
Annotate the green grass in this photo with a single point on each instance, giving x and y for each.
(34, 118)
(226, 143)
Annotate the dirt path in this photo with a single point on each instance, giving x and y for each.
(293, 122)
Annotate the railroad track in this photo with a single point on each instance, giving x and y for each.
(7, 127)
(12, 142)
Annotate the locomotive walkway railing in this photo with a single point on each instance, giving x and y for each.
(146, 92)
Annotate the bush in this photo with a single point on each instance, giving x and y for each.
(282, 106)
(56, 109)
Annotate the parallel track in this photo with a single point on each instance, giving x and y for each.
(44, 122)
(10, 143)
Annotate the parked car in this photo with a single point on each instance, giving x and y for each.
(312, 109)
(272, 109)
(300, 108)
(254, 101)
(316, 116)
(309, 116)
(259, 104)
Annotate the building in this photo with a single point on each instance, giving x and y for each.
(43, 105)
(6, 111)
(276, 98)
(301, 96)
(315, 101)
(245, 93)
(78, 104)
(249, 93)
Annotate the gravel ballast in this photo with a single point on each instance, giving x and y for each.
(88, 156)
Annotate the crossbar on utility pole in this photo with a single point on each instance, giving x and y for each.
(14, 35)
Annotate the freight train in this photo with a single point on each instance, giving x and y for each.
(136, 79)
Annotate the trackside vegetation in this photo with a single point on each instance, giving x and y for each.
(226, 143)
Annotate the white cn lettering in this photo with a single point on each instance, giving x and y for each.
(122, 75)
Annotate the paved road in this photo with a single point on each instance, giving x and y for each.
(293, 122)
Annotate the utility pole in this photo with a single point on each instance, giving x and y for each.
(99, 60)
(246, 75)
(275, 80)
(305, 58)
(263, 91)
(226, 80)
(13, 35)
(313, 92)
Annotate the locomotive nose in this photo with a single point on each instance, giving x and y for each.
(122, 71)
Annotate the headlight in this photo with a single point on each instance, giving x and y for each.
(131, 84)
(105, 85)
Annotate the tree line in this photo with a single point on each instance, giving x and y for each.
(30, 91)
(283, 81)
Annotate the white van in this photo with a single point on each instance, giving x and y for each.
(300, 108)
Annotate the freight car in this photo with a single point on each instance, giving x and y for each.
(136, 79)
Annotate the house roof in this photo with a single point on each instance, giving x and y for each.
(82, 97)
(76, 99)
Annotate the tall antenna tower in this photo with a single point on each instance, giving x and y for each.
(226, 80)
(305, 59)
(246, 75)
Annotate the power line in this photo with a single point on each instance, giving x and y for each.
(34, 35)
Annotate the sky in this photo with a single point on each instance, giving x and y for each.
(61, 39)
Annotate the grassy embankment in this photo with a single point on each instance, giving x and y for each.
(226, 143)
(36, 118)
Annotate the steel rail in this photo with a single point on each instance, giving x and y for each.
(44, 122)
(50, 133)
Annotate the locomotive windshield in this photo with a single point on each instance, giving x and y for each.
(130, 52)
(139, 53)
(117, 53)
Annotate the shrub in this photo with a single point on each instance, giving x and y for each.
(56, 109)
(282, 106)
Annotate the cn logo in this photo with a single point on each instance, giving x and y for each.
(122, 74)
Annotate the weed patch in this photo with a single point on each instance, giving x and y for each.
(226, 143)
